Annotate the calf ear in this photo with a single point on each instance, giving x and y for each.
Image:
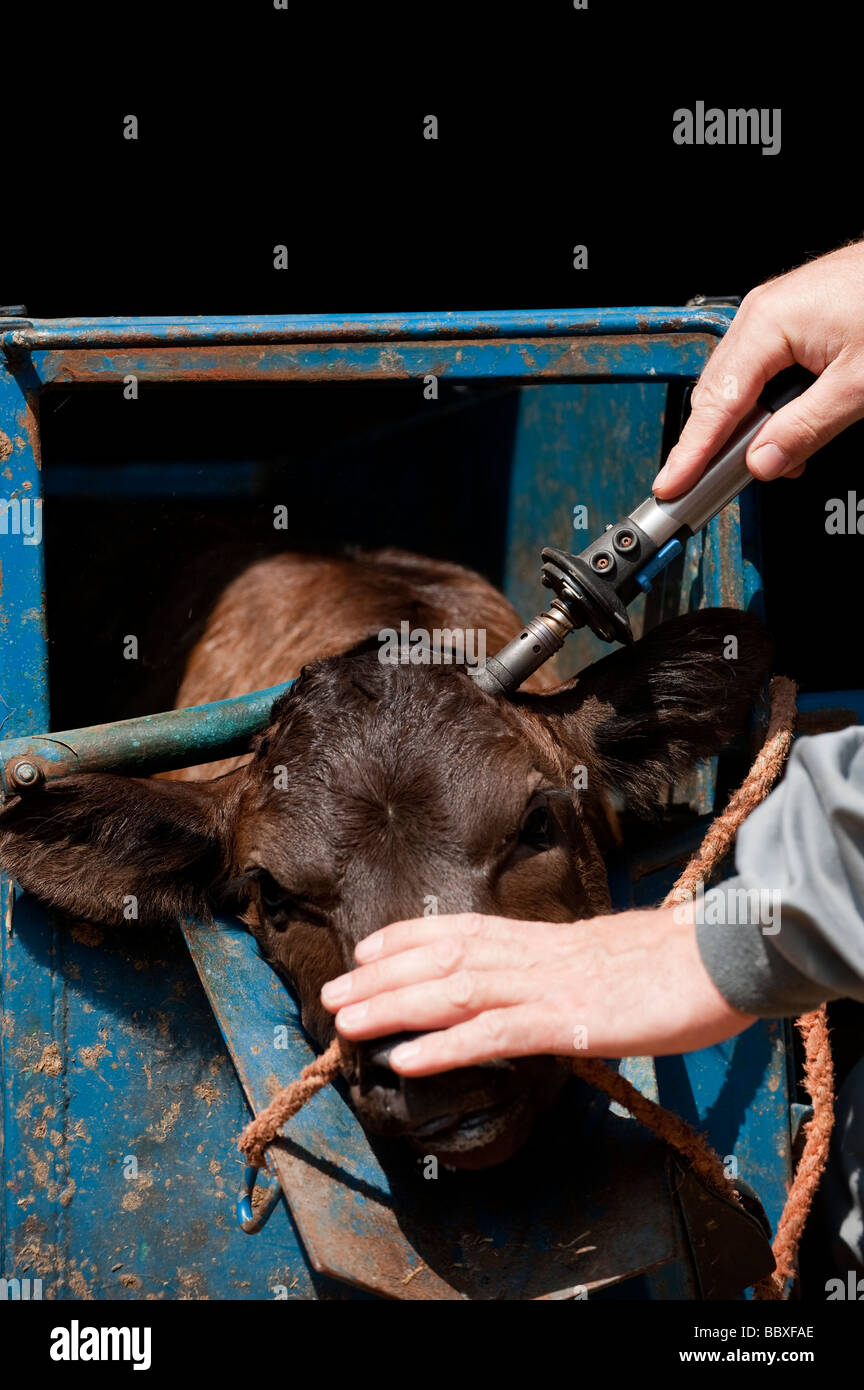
(639, 718)
(110, 849)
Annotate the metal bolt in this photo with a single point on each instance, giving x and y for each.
(601, 562)
(25, 774)
(624, 542)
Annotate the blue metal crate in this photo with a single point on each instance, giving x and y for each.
(111, 1058)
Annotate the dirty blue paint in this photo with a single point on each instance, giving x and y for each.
(121, 1151)
(554, 359)
(23, 683)
(30, 334)
(737, 1094)
(27, 991)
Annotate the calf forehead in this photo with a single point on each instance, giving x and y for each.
(387, 733)
(394, 886)
(408, 794)
(424, 771)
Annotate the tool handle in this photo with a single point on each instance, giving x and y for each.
(727, 474)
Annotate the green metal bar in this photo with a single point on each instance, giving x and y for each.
(153, 743)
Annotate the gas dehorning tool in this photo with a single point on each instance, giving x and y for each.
(594, 588)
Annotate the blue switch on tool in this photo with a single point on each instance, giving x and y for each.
(666, 553)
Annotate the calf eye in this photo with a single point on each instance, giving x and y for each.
(273, 896)
(535, 831)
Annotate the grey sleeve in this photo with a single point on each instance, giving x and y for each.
(787, 932)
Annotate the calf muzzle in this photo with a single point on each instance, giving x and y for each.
(390, 1104)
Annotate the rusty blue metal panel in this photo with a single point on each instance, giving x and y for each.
(28, 992)
(122, 1113)
(633, 357)
(658, 343)
(23, 687)
(716, 571)
(737, 1093)
(30, 334)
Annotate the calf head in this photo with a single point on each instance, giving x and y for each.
(383, 791)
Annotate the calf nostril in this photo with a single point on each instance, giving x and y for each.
(379, 1079)
(379, 1049)
(373, 1058)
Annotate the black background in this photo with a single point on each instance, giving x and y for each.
(305, 127)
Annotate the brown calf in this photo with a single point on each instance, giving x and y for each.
(383, 790)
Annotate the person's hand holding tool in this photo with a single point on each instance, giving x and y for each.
(813, 316)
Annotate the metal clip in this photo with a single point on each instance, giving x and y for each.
(252, 1222)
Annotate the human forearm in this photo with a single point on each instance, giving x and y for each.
(800, 863)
